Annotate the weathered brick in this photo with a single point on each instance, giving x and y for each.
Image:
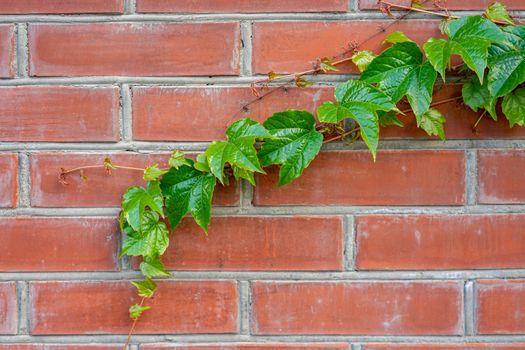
(59, 113)
(100, 189)
(203, 113)
(91, 307)
(449, 4)
(8, 180)
(59, 244)
(258, 243)
(500, 307)
(289, 46)
(430, 242)
(498, 182)
(444, 346)
(246, 347)
(7, 51)
(352, 178)
(410, 308)
(222, 6)
(58, 347)
(8, 308)
(150, 49)
(61, 6)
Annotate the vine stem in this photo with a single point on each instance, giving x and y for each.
(437, 103)
(69, 171)
(128, 339)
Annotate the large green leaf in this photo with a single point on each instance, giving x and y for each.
(238, 150)
(294, 145)
(507, 62)
(470, 38)
(188, 190)
(137, 199)
(478, 96)
(401, 70)
(514, 107)
(151, 241)
(359, 101)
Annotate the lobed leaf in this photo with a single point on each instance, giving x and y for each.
(432, 122)
(135, 311)
(137, 199)
(514, 107)
(145, 288)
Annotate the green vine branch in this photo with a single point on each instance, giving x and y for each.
(492, 48)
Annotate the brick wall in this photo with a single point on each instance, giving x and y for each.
(423, 250)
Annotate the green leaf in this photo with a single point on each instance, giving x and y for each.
(151, 241)
(362, 59)
(432, 122)
(145, 288)
(470, 38)
(135, 311)
(294, 145)
(188, 190)
(514, 107)
(238, 150)
(395, 38)
(152, 173)
(239, 173)
(475, 95)
(327, 65)
(498, 12)
(401, 71)
(153, 267)
(137, 199)
(359, 101)
(202, 163)
(507, 63)
(389, 118)
(177, 159)
(302, 83)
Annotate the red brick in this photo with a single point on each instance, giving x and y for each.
(59, 244)
(259, 243)
(57, 347)
(161, 113)
(100, 189)
(377, 308)
(280, 46)
(430, 242)
(500, 307)
(61, 6)
(102, 307)
(497, 176)
(449, 4)
(236, 6)
(352, 178)
(145, 49)
(459, 121)
(7, 51)
(8, 308)
(8, 180)
(59, 113)
(444, 346)
(246, 347)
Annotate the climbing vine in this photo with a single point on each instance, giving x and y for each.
(491, 47)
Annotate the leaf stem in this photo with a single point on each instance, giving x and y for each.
(417, 9)
(69, 171)
(479, 119)
(128, 339)
(434, 104)
(342, 136)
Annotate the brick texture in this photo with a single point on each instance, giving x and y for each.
(8, 180)
(247, 347)
(61, 6)
(357, 308)
(59, 244)
(57, 347)
(96, 307)
(450, 4)
(414, 178)
(153, 49)
(444, 347)
(59, 114)
(7, 52)
(8, 308)
(427, 242)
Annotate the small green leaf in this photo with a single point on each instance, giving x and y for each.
(239, 173)
(497, 12)
(202, 163)
(272, 75)
(238, 150)
(389, 118)
(177, 159)
(152, 173)
(514, 107)
(145, 288)
(188, 190)
(396, 37)
(294, 145)
(137, 199)
(432, 122)
(135, 311)
(153, 267)
(152, 240)
(327, 65)
(301, 82)
(362, 59)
